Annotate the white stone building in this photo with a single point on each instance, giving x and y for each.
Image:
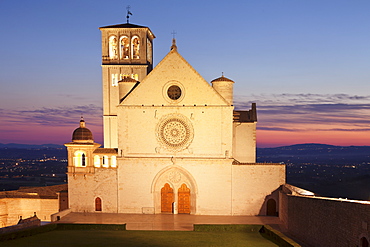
(173, 143)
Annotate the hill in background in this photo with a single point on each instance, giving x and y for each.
(333, 171)
(315, 154)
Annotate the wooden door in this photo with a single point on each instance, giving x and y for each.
(166, 198)
(184, 200)
(98, 204)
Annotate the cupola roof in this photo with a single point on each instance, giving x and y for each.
(82, 133)
(222, 78)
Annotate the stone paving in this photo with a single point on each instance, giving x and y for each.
(167, 222)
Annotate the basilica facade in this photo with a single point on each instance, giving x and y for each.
(173, 142)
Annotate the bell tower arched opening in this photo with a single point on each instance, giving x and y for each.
(113, 54)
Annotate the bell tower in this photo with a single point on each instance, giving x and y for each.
(127, 52)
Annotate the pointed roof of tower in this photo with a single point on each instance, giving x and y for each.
(124, 25)
(222, 78)
(129, 25)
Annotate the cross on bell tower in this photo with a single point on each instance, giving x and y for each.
(128, 13)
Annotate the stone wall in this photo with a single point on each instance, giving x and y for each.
(83, 189)
(58, 216)
(27, 207)
(253, 185)
(63, 200)
(319, 221)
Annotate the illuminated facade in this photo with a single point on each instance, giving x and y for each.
(173, 143)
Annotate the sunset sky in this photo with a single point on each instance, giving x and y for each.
(305, 63)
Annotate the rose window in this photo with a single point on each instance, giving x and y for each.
(175, 132)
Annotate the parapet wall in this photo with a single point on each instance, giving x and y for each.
(319, 221)
(22, 224)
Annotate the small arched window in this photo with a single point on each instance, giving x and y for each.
(97, 161)
(98, 204)
(135, 44)
(364, 242)
(113, 51)
(271, 208)
(124, 47)
(113, 161)
(114, 80)
(105, 161)
(83, 159)
(80, 159)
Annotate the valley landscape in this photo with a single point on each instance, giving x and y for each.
(326, 170)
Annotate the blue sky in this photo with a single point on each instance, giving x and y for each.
(305, 63)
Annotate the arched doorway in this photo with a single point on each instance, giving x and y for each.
(364, 242)
(98, 206)
(175, 176)
(184, 200)
(271, 208)
(166, 198)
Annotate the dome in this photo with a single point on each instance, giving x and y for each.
(82, 133)
(222, 78)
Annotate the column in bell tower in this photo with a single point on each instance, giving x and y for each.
(127, 51)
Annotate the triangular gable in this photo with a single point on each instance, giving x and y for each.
(174, 68)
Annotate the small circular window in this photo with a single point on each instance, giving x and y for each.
(174, 92)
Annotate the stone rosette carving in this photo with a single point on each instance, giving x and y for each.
(174, 132)
(174, 177)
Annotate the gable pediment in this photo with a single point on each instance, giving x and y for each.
(174, 78)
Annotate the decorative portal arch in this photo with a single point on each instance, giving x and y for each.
(271, 207)
(98, 204)
(182, 182)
